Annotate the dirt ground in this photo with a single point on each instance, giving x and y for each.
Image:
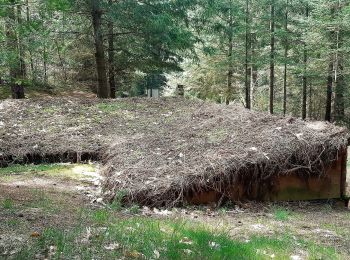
(32, 202)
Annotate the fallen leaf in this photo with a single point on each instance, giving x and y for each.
(35, 234)
(133, 254)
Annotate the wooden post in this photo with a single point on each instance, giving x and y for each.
(343, 188)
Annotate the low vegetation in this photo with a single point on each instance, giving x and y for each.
(48, 223)
(111, 237)
(281, 214)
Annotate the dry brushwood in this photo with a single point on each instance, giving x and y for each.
(158, 151)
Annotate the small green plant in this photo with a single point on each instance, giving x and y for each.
(7, 204)
(281, 214)
(327, 207)
(101, 215)
(223, 211)
(117, 203)
(13, 223)
(134, 209)
(43, 201)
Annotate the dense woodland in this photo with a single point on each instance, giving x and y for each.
(288, 57)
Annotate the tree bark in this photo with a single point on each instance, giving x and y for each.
(230, 91)
(253, 69)
(285, 64)
(16, 65)
(96, 13)
(29, 50)
(111, 72)
(46, 80)
(61, 62)
(340, 84)
(23, 71)
(310, 101)
(328, 116)
(339, 105)
(272, 56)
(304, 102)
(247, 58)
(329, 92)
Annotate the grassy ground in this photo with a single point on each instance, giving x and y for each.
(47, 212)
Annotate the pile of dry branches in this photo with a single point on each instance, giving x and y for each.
(198, 146)
(158, 151)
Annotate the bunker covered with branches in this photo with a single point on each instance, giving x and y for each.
(213, 153)
(172, 151)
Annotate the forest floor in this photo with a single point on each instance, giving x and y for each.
(54, 211)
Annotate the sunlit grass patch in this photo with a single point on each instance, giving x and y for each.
(13, 169)
(66, 171)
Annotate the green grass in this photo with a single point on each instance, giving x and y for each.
(43, 201)
(13, 169)
(134, 209)
(147, 238)
(7, 204)
(101, 234)
(281, 214)
(101, 216)
(65, 171)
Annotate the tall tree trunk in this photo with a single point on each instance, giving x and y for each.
(340, 85)
(285, 83)
(272, 56)
(253, 69)
(96, 13)
(16, 65)
(304, 102)
(61, 62)
(20, 44)
(310, 100)
(247, 58)
(29, 50)
(46, 80)
(230, 91)
(111, 72)
(286, 46)
(328, 116)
